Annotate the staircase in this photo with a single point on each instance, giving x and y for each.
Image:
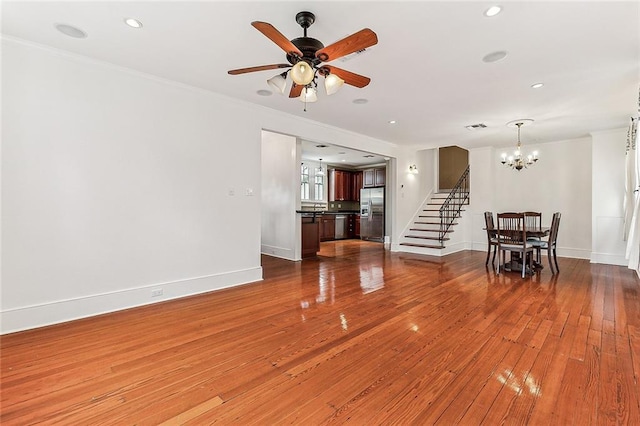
(435, 222)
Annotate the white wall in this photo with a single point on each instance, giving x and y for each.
(116, 183)
(410, 190)
(608, 195)
(280, 195)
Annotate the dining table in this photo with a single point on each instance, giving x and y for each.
(515, 263)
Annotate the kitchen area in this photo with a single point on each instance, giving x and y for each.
(350, 207)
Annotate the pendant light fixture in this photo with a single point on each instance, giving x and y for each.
(302, 73)
(278, 82)
(518, 160)
(332, 83)
(320, 170)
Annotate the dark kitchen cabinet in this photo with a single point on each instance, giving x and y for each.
(374, 177)
(327, 227)
(380, 177)
(340, 185)
(369, 178)
(310, 236)
(353, 230)
(345, 185)
(356, 185)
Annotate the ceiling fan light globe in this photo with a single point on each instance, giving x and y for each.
(279, 83)
(308, 95)
(332, 83)
(302, 73)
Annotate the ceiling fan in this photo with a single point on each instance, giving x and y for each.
(306, 57)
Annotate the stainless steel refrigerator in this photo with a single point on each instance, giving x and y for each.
(372, 214)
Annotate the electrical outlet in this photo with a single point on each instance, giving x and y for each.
(248, 192)
(156, 293)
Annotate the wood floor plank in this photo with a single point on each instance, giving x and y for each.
(358, 334)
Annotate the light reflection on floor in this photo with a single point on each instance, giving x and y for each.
(519, 384)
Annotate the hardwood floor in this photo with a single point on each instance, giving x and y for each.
(357, 334)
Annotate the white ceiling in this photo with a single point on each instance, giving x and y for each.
(427, 70)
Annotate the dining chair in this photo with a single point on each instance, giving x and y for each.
(533, 220)
(550, 244)
(492, 241)
(512, 237)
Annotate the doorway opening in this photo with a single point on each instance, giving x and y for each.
(452, 162)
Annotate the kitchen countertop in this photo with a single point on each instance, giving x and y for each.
(321, 212)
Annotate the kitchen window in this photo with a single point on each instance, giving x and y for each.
(311, 185)
(318, 187)
(304, 182)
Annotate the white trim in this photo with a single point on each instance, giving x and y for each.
(28, 317)
(281, 252)
(609, 259)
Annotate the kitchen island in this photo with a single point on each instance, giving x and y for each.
(317, 226)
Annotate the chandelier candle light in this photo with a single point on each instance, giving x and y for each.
(518, 161)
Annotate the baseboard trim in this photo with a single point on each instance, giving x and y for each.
(281, 252)
(609, 259)
(29, 317)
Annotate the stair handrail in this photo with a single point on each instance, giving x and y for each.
(452, 205)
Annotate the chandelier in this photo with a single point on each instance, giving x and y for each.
(518, 160)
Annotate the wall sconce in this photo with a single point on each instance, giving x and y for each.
(413, 169)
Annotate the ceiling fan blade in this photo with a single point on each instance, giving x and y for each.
(356, 41)
(349, 77)
(276, 36)
(258, 68)
(296, 90)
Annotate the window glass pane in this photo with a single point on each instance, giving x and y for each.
(318, 188)
(304, 182)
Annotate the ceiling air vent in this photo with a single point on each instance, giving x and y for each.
(353, 55)
(476, 126)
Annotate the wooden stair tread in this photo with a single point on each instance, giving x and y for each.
(421, 237)
(429, 230)
(422, 245)
(436, 210)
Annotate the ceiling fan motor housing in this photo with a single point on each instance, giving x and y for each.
(308, 46)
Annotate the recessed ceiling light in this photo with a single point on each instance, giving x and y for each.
(360, 101)
(392, 121)
(70, 31)
(537, 85)
(263, 92)
(133, 23)
(494, 56)
(492, 11)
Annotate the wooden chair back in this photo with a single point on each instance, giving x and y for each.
(489, 225)
(533, 220)
(512, 229)
(553, 232)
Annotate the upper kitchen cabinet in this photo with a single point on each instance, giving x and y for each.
(344, 185)
(340, 185)
(374, 177)
(356, 185)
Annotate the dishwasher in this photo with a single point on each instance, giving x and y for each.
(341, 226)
